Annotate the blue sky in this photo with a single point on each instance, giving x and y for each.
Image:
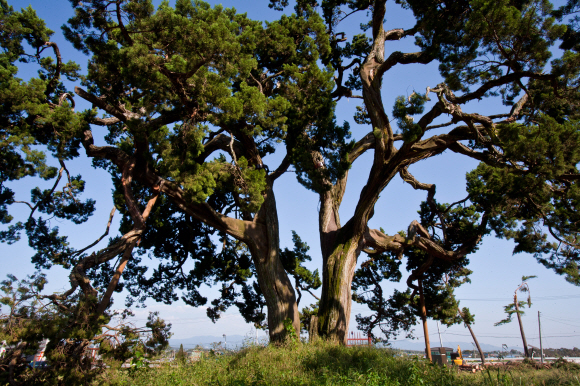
(496, 271)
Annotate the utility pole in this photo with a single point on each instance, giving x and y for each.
(225, 343)
(439, 332)
(256, 336)
(541, 347)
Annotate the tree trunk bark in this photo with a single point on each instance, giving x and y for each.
(473, 336)
(476, 343)
(313, 330)
(424, 319)
(336, 298)
(272, 278)
(341, 247)
(115, 280)
(526, 351)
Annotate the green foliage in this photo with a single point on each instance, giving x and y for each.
(304, 279)
(399, 312)
(511, 308)
(403, 110)
(306, 314)
(180, 355)
(70, 326)
(520, 33)
(324, 364)
(196, 96)
(535, 200)
(571, 39)
(33, 122)
(252, 183)
(467, 316)
(174, 239)
(138, 363)
(292, 337)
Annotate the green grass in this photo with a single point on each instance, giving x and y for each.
(324, 364)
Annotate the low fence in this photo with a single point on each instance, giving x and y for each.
(357, 339)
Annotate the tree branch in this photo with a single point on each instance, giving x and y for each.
(398, 57)
(51, 86)
(220, 142)
(284, 165)
(76, 253)
(365, 143)
(118, 112)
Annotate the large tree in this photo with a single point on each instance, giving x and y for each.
(182, 87)
(192, 98)
(525, 186)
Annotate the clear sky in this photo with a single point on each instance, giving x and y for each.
(496, 271)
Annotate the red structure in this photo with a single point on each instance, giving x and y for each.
(357, 339)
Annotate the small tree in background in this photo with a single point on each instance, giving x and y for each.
(468, 319)
(180, 356)
(28, 317)
(514, 308)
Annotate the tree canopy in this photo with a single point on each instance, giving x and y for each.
(192, 99)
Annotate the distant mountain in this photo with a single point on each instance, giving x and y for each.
(420, 346)
(207, 340)
(234, 341)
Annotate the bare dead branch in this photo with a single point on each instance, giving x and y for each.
(26, 203)
(102, 236)
(49, 194)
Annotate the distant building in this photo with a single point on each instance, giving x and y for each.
(196, 355)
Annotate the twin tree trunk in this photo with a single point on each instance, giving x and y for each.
(336, 298)
(341, 247)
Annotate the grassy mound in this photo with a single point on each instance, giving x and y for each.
(324, 364)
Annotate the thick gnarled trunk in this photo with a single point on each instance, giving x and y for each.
(272, 278)
(336, 298)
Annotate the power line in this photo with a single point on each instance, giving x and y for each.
(536, 298)
(513, 336)
(565, 319)
(557, 321)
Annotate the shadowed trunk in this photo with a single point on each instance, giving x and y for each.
(272, 278)
(313, 329)
(336, 298)
(341, 247)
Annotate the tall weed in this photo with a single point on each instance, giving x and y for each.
(326, 364)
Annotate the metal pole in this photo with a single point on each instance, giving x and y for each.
(541, 347)
(439, 332)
